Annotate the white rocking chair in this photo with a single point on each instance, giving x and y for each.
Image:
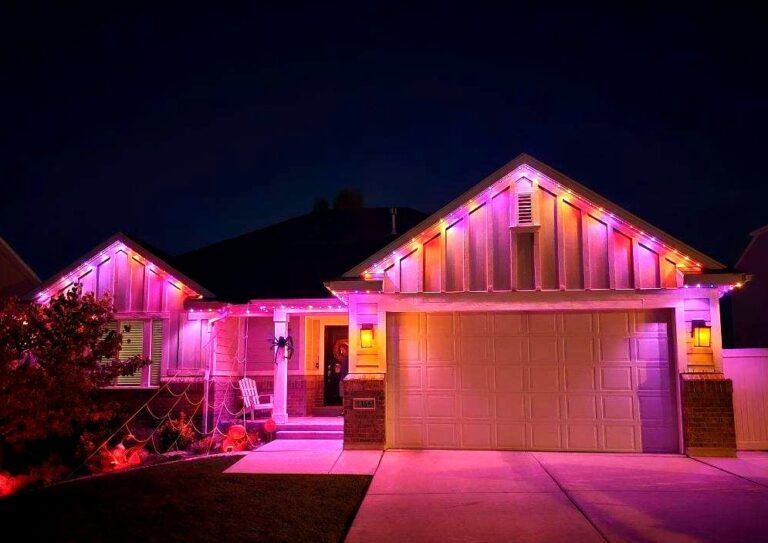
(252, 399)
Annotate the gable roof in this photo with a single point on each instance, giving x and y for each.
(293, 258)
(136, 247)
(531, 167)
(16, 277)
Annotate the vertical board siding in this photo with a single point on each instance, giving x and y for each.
(748, 369)
(574, 271)
(648, 266)
(669, 274)
(390, 280)
(598, 253)
(409, 272)
(105, 281)
(432, 265)
(501, 242)
(622, 261)
(155, 292)
(548, 240)
(137, 279)
(478, 263)
(122, 290)
(454, 260)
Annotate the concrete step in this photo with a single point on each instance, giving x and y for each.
(328, 411)
(309, 434)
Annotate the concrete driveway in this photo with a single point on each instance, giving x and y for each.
(521, 496)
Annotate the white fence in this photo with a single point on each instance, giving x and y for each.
(748, 368)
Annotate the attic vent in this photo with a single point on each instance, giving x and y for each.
(524, 209)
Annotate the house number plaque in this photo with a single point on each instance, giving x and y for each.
(364, 404)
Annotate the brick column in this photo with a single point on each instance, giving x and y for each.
(708, 424)
(364, 419)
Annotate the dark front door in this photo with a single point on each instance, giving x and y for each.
(336, 362)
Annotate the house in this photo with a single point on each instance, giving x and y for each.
(16, 277)
(528, 313)
(748, 315)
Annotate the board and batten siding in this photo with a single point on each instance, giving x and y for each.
(748, 368)
(141, 291)
(566, 247)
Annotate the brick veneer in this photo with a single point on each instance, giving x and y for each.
(364, 429)
(305, 392)
(708, 423)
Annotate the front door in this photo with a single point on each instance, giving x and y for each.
(336, 362)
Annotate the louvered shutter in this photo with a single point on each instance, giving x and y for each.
(157, 352)
(133, 345)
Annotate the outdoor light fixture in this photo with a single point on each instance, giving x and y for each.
(701, 333)
(366, 336)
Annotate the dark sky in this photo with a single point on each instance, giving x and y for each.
(188, 125)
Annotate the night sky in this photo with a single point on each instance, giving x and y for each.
(185, 126)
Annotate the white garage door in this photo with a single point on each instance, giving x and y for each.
(539, 381)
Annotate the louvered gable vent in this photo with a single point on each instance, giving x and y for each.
(524, 209)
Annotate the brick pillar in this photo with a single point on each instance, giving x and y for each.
(364, 420)
(708, 424)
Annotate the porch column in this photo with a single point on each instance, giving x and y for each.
(280, 408)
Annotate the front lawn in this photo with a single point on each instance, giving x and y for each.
(188, 501)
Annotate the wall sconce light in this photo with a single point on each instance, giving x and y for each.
(701, 334)
(366, 336)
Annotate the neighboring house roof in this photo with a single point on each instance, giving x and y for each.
(536, 168)
(742, 264)
(68, 274)
(293, 258)
(16, 277)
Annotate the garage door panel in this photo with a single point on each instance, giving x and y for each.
(438, 324)
(508, 350)
(620, 437)
(508, 324)
(614, 350)
(654, 378)
(546, 436)
(579, 378)
(475, 407)
(511, 406)
(581, 407)
(474, 350)
(443, 435)
(613, 323)
(619, 378)
(542, 324)
(439, 406)
(618, 408)
(476, 378)
(545, 407)
(410, 405)
(543, 350)
(409, 377)
(545, 378)
(473, 324)
(476, 435)
(510, 378)
(580, 381)
(652, 349)
(582, 437)
(577, 324)
(441, 378)
(511, 435)
(440, 349)
(576, 350)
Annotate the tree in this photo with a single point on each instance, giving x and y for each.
(53, 358)
(348, 199)
(320, 205)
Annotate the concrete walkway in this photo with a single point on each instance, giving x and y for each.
(307, 456)
(451, 496)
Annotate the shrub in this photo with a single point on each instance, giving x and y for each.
(175, 433)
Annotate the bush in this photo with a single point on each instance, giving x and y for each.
(176, 433)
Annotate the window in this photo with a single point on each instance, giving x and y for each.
(134, 332)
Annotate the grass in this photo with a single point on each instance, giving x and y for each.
(188, 501)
